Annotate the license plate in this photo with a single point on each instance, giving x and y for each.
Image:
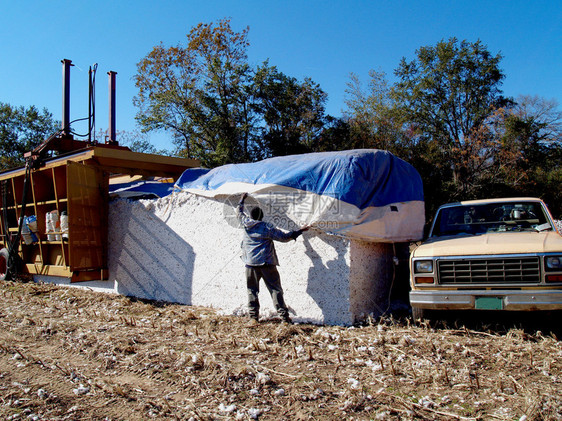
(489, 303)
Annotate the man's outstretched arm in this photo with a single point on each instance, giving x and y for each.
(241, 204)
(242, 216)
(279, 235)
(297, 233)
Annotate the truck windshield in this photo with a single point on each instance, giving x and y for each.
(491, 217)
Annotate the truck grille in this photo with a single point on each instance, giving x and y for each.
(489, 271)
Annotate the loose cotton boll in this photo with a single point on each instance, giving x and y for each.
(374, 366)
(263, 378)
(81, 390)
(426, 402)
(254, 413)
(353, 383)
(228, 409)
(407, 340)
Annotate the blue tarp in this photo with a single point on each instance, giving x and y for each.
(366, 193)
(364, 177)
(138, 189)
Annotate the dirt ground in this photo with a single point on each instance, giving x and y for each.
(71, 354)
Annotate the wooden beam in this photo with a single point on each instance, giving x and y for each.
(120, 161)
(39, 269)
(124, 158)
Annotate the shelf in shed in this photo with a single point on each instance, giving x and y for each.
(77, 183)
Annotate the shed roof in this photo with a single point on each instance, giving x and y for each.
(119, 161)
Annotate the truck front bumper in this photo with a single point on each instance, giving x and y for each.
(527, 300)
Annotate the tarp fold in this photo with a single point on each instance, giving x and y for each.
(367, 194)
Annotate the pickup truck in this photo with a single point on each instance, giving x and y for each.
(495, 254)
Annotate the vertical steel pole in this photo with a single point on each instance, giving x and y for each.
(66, 96)
(112, 131)
(90, 92)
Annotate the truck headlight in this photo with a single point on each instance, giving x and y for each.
(423, 266)
(553, 262)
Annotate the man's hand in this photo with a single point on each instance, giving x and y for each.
(244, 196)
(297, 233)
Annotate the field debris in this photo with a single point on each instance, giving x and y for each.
(68, 353)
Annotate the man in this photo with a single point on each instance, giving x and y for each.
(260, 258)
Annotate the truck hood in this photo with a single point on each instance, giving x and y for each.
(494, 243)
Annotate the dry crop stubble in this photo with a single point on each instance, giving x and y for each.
(68, 353)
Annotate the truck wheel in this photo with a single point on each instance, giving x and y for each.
(3, 263)
(418, 313)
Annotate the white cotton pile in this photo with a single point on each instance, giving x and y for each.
(186, 249)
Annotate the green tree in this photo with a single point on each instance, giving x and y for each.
(291, 112)
(335, 136)
(21, 130)
(374, 119)
(135, 140)
(446, 115)
(221, 110)
(368, 111)
(533, 128)
(544, 113)
(448, 92)
(198, 92)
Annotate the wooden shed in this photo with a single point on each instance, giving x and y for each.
(76, 185)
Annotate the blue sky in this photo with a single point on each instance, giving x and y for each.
(323, 40)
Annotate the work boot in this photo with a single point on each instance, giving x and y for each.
(286, 319)
(253, 322)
